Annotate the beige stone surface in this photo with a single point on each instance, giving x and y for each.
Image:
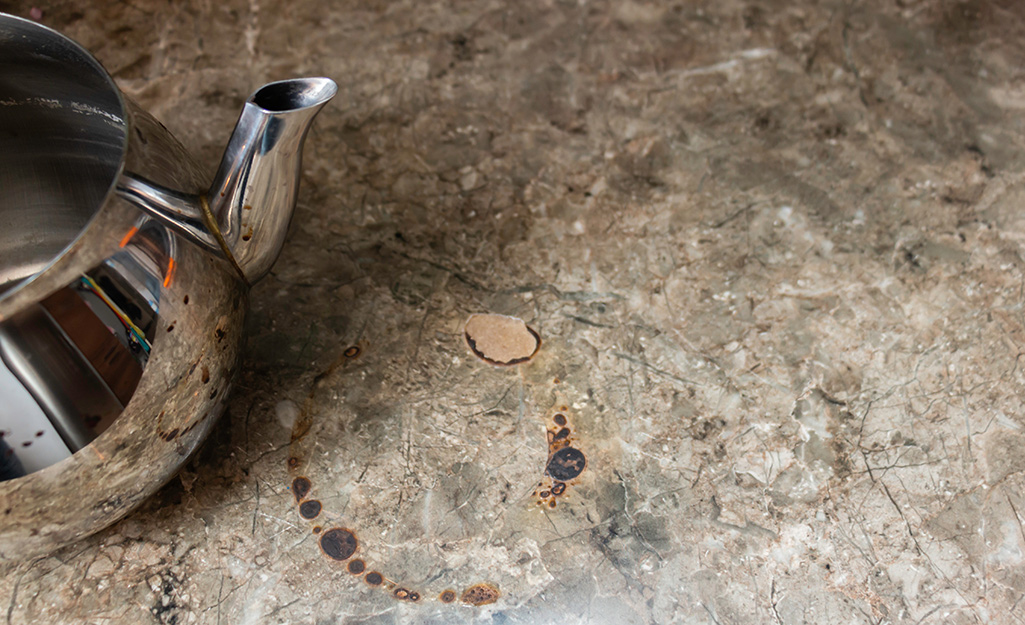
(774, 251)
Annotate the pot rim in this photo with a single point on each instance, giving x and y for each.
(92, 63)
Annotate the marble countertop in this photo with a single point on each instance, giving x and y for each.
(773, 252)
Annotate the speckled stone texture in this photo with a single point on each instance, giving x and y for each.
(774, 251)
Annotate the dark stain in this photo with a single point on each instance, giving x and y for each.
(338, 543)
(551, 503)
(558, 488)
(561, 434)
(185, 300)
(447, 596)
(170, 327)
(543, 494)
(560, 419)
(401, 593)
(27, 444)
(300, 487)
(566, 464)
(309, 509)
(316, 530)
(170, 436)
(374, 578)
(352, 352)
(480, 594)
(219, 334)
(205, 374)
(357, 566)
(293, 462)
(39, 433)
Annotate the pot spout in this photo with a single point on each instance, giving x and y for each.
(253, 195)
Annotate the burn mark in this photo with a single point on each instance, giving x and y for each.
(357, 566)
(374, 578)
(185, 300)
(558, 488)
(561, 435)
(401, 593)
(338, 543)
(501, 340)
(480, 594)
(447, 596)
(352, 352)
(219, 334)
(309, 509)
(566, 464)
(300, 487)
(560, 419)
(205, 374)
(293, 462)
(316, 530)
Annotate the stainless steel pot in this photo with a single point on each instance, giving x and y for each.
(123, 281)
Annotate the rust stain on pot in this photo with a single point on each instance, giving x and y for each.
(300, 488)
(338, 543)
(501, 340)
(352, 352)
(374, 578)
(447, 596)
(309, 509)
(480, 594)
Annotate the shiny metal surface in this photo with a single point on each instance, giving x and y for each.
(123, 281)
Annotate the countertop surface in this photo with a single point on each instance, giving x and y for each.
(773, 252)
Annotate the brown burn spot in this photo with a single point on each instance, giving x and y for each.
(316, 530)
(551, 503)
(300, 487)
(401, 593)
(357, 566)
(480, 594)
(352, 351)
(338, 543)
(219, 334)
(309, 510)
(561, 435)
(185, 300)
(205, 374)
(560, 419)
(500, 339)
(447, 596)
(374, 578)
(170, 328)
(293, 462)
(558, 488)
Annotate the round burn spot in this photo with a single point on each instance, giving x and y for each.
(560, 419)
(566, 464)
(374, 578)
(447, 596)
(357, 566)
(401, 593)
(352, 351)
(316, 530)
(501, 340)
(338, 543)
(309, 509)
(300, 488)
(558, 488)
(480, 594)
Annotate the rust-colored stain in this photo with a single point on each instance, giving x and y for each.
(338, 543)
(356, 566)
(501, 340)
(480, 594)
(316, 530)
(300, 488)
(309, 509)
(565, 461)
(352, 352)
(447, 596)
(374, 578)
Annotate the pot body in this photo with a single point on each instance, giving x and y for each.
(118, 338)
